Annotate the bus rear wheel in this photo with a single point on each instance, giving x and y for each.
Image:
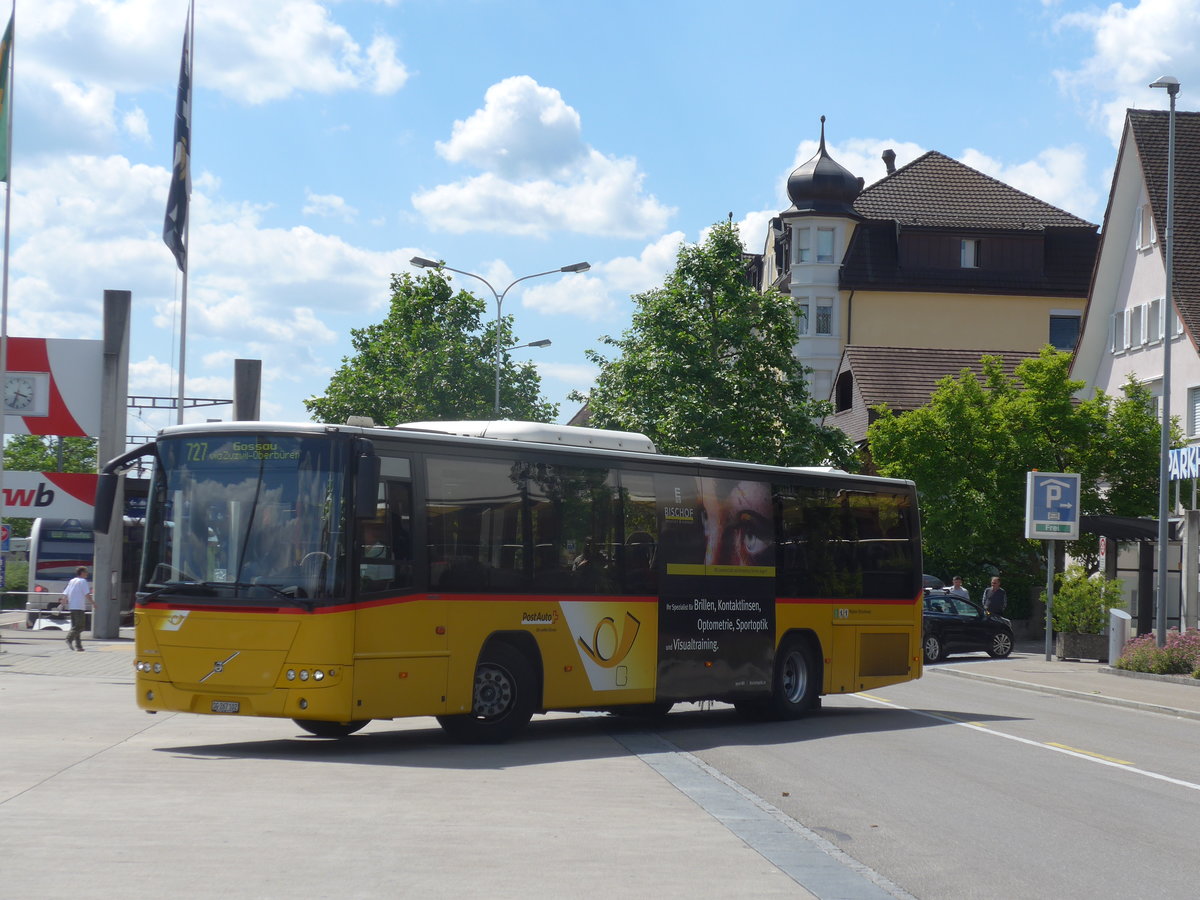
(502, 700)
(796, 690)
(331, 729)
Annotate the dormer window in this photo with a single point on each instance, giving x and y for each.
(968, 253)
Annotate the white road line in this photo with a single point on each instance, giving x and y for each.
(1054, 748)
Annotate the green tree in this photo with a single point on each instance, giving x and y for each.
(431, 358)
(706, 368)
(39, 453)
(970, 447)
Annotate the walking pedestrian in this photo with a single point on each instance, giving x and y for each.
(995, 598)
(77, 598)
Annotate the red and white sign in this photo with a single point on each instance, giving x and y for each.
(56, 495)
(64, 377)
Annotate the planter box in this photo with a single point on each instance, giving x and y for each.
(1070, 645)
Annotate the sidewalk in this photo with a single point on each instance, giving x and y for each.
(45, 652)
(1028, 668)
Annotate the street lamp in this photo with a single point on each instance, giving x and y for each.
(423, 263)
(1164, 485)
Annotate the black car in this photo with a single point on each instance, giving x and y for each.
(954, 624)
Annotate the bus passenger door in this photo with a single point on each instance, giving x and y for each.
(400, 641)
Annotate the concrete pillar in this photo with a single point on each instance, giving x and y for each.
(114, 392)
(247, 389)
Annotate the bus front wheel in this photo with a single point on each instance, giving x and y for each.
(331, 729)
(502, 700)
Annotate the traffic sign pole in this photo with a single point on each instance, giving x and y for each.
(1052, 514)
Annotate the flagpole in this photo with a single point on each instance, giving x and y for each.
(7, 88)
(186, 163)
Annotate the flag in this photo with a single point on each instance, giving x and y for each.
(5, 56)
(175, 223)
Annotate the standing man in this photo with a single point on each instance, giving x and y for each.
(957, 589)
(78, 599)
(994, 598)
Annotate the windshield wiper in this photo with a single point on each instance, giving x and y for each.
(302, 602)
(181, 587)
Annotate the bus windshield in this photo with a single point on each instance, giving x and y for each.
(259, 517)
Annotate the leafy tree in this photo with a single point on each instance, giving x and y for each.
(970, 447)
(431, 358)
(38, 453)
(706, 368)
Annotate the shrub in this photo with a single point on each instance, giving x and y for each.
(1179, 655)
(1081, 603)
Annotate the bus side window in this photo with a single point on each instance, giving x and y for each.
(385, 541)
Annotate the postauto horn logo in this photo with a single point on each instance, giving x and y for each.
(609, 647)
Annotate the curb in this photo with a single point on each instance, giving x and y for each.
(1075, 695)
(1187, 680)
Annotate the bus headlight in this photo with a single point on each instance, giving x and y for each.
(318, 675)
(291, 675)
(304, 674)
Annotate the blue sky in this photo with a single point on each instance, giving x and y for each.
(332, 141)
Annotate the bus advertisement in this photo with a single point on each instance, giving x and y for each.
(485, 572)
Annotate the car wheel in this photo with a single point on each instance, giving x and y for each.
(932, 648)
(1001, 646)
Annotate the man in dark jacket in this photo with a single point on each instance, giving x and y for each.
(994, 598)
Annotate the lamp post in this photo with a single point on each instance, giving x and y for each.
(423, 263)
(1164, 484)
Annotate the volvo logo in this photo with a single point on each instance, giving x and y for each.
(219, 665)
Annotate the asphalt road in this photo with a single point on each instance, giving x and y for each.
(957, 789)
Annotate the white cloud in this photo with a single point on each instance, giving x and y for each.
(77, 55)
(539, 177)
(523, 131)
(1131, 47)
(633, 275)
(136, 124)
(328, 206)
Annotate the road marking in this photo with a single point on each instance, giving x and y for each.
(1123, 762)
(1054, 748)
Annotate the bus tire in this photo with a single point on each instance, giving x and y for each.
(796, 689)
(331, 729)
(502, 699)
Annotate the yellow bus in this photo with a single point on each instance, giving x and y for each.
(482, 572)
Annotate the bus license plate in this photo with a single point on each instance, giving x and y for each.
(225, 706)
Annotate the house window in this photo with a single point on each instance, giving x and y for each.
(824, 322)
(843, 393)
(1135, 325)
(803, 313)
(1154, 321)
(1118, 331)
(1064, 330)
(824, 245)
(803, 245)
(1146, 232)
(1194, 411)
(968, 253)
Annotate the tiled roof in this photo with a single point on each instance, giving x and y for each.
(905, 377)
(939, 192)
(1150, 131)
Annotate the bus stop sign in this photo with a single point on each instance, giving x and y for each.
(1052, 506)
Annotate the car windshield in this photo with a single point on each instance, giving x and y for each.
(254, 516)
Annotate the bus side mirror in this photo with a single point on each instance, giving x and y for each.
(106, 493)
(366, 487)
